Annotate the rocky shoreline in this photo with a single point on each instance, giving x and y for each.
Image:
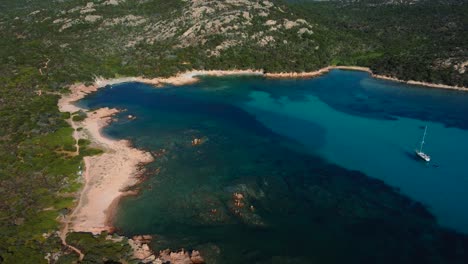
(142, 251)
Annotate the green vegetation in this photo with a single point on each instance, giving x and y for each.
(423, 42)
(86, 150)
(79, 116)
(100, 249)
(40, 56)
(36, 169)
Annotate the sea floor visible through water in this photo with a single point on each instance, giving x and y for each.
(297, 171)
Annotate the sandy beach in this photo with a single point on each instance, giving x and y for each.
(105, 176)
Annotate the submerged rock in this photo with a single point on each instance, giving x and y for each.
(197, 141)
(241, 207)
(196, 258)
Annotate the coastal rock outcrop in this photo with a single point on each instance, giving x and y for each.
(142, 252)
(181, 257)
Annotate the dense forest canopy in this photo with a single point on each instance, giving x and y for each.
(48, 45)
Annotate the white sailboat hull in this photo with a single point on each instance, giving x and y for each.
(423, 156)
(420, 152)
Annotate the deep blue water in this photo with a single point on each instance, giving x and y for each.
(325, 167)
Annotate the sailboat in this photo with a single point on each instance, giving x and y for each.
(420, 152)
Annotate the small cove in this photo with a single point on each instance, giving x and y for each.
(310, 158)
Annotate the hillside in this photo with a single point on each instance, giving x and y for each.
(48, 45)
(421, 41)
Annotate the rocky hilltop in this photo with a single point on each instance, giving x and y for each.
(195, 24)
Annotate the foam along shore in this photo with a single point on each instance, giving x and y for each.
(106, 176)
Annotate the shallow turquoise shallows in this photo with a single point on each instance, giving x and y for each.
(295, 171)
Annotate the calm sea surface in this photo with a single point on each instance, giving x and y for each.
(298, 171)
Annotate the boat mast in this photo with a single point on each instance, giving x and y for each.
(424, 137)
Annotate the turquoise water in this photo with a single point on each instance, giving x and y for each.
(325, 167)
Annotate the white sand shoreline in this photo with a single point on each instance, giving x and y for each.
(107, 175)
